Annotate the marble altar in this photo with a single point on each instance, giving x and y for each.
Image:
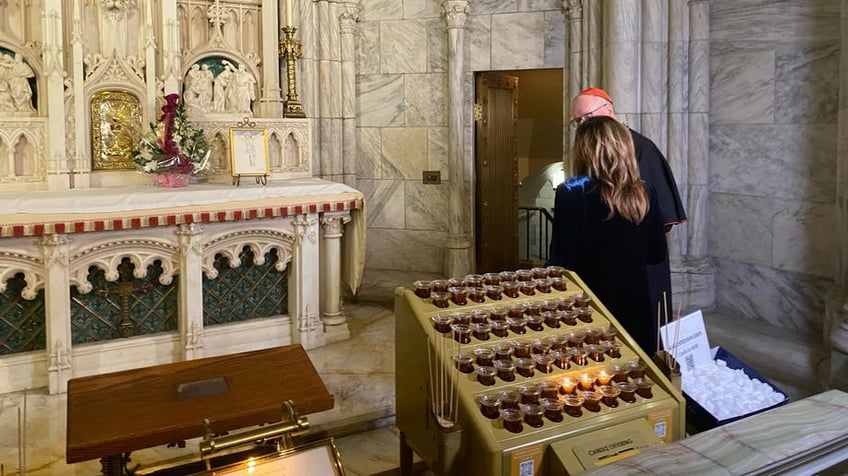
(53, 240)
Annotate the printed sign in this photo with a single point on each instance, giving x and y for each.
(686, 340)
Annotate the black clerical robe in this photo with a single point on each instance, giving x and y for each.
(610, 255)
(654, 169)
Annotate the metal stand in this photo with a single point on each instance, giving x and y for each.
(279, 434)
(116, 465)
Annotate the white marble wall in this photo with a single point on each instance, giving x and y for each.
(773, 114)
(403, 116)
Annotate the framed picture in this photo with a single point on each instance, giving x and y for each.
(320, 458)
(115, 129)
(249, 152)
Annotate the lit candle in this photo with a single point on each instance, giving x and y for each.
(568, 385)
(289, 13)
(586, 382)
(604, 377)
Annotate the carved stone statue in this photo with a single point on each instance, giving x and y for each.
(15, 92)
(243, 91)
(221, 87)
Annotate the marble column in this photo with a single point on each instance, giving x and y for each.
(330, 95)
(332, 316)
(593, 44)
(52, 56)
(270, 100)
(190, 308)
(678, 123)
(57, 305)
(622, 36)
(347, 28)
(654, 71)
(304, 290)
(836, 319)
(573, 81)
(79, 168)
(458, 245)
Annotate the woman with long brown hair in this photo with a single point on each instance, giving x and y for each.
(607, 227)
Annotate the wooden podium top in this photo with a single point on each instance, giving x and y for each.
(125, 411)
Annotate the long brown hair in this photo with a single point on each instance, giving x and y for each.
(603, 149)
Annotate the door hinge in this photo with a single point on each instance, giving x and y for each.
(478, 111)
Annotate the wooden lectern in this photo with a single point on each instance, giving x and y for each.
(111, 415)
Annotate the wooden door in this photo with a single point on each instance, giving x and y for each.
(496, 168)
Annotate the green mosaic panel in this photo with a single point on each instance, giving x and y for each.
(246, 292)
(22, 327)
(127, 307)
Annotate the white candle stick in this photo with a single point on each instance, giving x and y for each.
(289, 19)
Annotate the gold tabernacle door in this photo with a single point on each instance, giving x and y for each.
(457, 411)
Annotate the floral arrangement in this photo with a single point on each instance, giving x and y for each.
(173, 145)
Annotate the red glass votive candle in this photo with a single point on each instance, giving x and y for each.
(544, 363)
(591, 400)
(561, 358)
(637, 369)
(480, 330)
(512, 418)
(587, 381)
(516, 324)
(614, 349)
(555, 271)
(540, 346)
(515, 310)
(461, 333)
(494, 292)
(476, 294)
(593, 336)
(510, 288)
(566, 303)
(423, 289)
(553, 409)
(442, 323)
(533, 309)
(609, 395)
(507, 276)
(491, 279)
(440, 299)
(503, 351)
(622, 373)
(486, 375)
(643, 387)
(608, 334)
(559, 284)
(549, 389)
(582, 300)
(478, 316)
(505, 369)
(579, 356)
(490, 406)
(461, 318)
(539, 273)
(628, 392)
(543, 285)
(498, 313)
(533, 414)
(459, 295)
(551, 319)
(569, 318)
(463, 363)
(500, 328)
(584, 314)
(596, 352)
(521, 349)
(485, 357)
(527, 288)
(473, 280)
(525, 366)
(509, 398)
(523, 275)
(535, 322)
(573, 405)
(439, 285)
(530, 393)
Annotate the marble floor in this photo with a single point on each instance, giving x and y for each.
(360, 374)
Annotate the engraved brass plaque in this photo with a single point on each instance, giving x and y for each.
(115, 129)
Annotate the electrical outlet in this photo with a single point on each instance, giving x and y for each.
(432, 177)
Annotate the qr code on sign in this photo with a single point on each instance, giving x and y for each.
(525, 468)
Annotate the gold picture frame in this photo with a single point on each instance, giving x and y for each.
(249, 152)
(115, 129)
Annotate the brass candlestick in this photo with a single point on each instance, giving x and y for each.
(291, 49)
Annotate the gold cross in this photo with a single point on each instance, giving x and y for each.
(126, 287)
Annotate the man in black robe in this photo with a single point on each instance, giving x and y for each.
(654, 169)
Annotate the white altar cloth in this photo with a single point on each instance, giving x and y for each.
(39, 213)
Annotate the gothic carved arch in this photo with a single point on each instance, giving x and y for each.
(260, 242)
(33, 60)
(107, 256)
(30, 266)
